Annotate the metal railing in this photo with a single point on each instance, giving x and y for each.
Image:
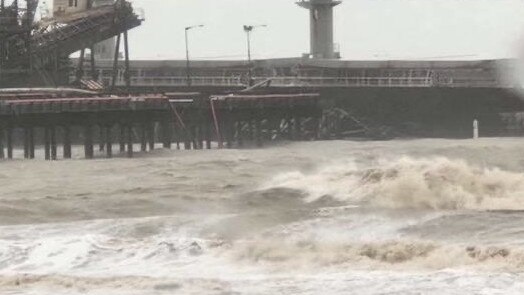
(472, 83)
(182, 81)
(392, 82)
(352, 81)
(283, 81)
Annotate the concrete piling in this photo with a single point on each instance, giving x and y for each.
(122, 138)
(187, 140)
(194, 137)
(167, 133)
(2, 153)
(207, 131)
(31, 143)
(47, 143)
(26, 143)
(143, 137)
(109, 141)
(88, 142)
(101, 138)
(129, 139)
(52, 133)
(151, 135)
(176, 132)
(9, 142)
(229, 129)
(67, 142)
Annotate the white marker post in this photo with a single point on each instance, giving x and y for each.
(475, 129)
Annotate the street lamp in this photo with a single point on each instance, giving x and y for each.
(248, 30)
(188, 69)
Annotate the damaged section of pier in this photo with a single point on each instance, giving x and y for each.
(190, 120)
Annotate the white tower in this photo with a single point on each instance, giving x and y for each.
(321, 27)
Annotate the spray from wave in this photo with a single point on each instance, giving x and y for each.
(423, 183)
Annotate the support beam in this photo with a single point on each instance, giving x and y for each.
(9, 142)
(129, 133)
(143, 136)
(47, 143)
(151, 135)
(52, 132)
(26, 142)
(201, 135)
(122, 138)
(101, 138)
(187, 138)
(88, 141)
(2, 153)
(167, 133)
(109, 141)
(31, 142)
(176, 132)
(195, 140)
(67, 142)
(207, 130)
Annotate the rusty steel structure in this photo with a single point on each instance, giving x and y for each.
(37, 52)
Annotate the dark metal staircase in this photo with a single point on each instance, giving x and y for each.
(45, 45)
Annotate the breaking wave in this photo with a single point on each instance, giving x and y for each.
(403, 254)
(425, 183)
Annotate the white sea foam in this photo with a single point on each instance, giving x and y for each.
(425, 183)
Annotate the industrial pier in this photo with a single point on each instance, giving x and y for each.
(206, 104)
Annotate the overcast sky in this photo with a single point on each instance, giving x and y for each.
(365, 29)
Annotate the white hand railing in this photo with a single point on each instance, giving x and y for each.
(182, 81)
(174, 81)
(352, 81)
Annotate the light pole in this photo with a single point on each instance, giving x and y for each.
(188, 68)
(248, 30)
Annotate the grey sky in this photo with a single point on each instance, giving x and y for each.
(365, 29)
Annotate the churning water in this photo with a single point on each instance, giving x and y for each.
(399, 217)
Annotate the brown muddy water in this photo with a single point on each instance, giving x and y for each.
(339, 217)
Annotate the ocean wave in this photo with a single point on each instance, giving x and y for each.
(395, 254)
(425, 183)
